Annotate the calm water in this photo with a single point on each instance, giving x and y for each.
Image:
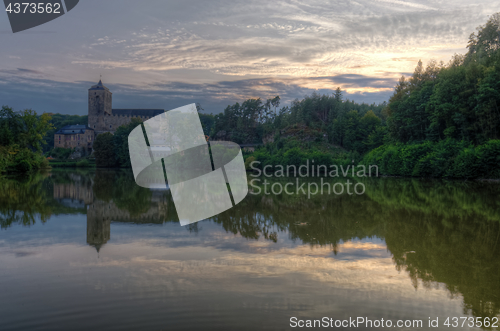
(89, 250)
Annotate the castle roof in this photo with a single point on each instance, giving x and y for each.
(99, 86)
(138, 112)
(74, 129)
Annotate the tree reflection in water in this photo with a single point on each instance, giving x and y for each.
(436, 231)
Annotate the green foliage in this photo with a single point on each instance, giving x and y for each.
(207, 123)
(63, 164)
(343, 122)
(489, 159)
(127, 195)
(297, 157)
(446, 158)
(33, 130)
(83, 163)
(120, 142)
(24, 194)
(248, 162)
(21, 140)
(104, 151)
(60, 153)
(460, 100)
(112, 150)
(465, 164)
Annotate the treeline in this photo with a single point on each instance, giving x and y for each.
(444, 121)
(459, 100)
(323, 128)
(353, 126)
(21, 139)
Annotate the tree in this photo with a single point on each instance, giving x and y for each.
(483, 45)
(21, 138)
(33, 129)
(120, 142)
(10, 126)
(104, 151)
(24, 128)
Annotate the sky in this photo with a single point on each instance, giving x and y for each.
(166, 54)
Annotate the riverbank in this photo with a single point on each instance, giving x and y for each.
(447, 158)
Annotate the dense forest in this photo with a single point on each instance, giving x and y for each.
(445, 119)
(341, 122)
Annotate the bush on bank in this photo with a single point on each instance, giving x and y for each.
(446, 158)
(16, 159)
(297, 157)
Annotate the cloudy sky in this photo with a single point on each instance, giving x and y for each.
(165, 54)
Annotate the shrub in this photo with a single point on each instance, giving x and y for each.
(446, 158)
(23, 166)
(465, 165)
(61, 153)
(294, 157)
(249, 161)
(83, 163)
(410, 155)
(488, 159)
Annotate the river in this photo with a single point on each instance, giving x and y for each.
(90, 250)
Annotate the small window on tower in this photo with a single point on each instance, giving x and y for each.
(110, 126)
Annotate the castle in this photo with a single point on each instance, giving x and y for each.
(102, 118)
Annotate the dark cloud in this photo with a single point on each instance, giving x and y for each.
(45, 95)
(29, 71)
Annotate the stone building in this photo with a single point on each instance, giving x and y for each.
(75, 136)
(103, 118)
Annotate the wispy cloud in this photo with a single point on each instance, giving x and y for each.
(233, 49)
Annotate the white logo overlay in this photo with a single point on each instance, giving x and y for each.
(196, 175)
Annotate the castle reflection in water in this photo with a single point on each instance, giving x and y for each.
(79, 194)
(438, 232)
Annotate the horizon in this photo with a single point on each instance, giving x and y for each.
(166, 55)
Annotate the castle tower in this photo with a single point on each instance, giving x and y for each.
(98, 232)
(100, 100)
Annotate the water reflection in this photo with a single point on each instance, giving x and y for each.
(439, 234)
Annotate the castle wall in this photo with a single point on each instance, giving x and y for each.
(112, 122)
(82, 140)
(78, 191)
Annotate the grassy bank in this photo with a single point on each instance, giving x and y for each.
(83, 163)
